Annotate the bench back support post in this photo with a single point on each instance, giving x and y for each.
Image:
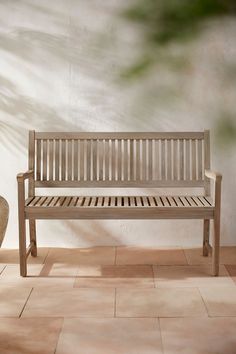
(207, 161)
(31, 160)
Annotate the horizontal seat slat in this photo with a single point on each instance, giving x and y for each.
(120, 202)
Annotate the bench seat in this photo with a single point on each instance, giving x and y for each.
(124, 207)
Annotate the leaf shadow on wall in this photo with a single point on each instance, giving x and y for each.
(22, 113)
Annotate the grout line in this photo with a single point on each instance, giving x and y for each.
(159, 322)
(115, 255)
(59, 334)
(208, 315)
(115, 304)
(26, 302)
(4, 267)
(46, 256)
(153, 276)
(185, 256)
(76, 276)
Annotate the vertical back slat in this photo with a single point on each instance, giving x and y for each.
(150, 159)
(119, 160)
(187, 159)
(182, 156)
(199, 155)
(207, 160)
(39, 157)
(57, 159)
(76, 159)
(113, 160)
(88, 158)
(125, 159)
(169, 159)
(157, 169)
(144, 160)
(69, 158)
(51, 158)
(63, 159)
(100, 159)
(45, 165)
(163, 160)
(176, 160)
(194, 160)
(94, 153)
(131, 160)
(107, 159)
(81, 160)
(138, 160)
(31, 161)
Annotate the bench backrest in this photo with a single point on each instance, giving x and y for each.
(119, 159)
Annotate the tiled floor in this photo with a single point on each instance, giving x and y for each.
(124, 300)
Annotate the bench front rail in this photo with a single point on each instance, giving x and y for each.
(119, 160)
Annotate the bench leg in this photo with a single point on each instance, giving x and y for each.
(22, 244)
(32, 229)
(206, 232)
(216, 246)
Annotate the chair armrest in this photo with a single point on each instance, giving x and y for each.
(213, 175)
(21, 177)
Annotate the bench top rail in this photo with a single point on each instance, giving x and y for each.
(150, 159)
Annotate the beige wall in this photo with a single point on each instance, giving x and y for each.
(59, 68)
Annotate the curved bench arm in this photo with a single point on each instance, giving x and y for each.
(21, 177)
(213, 175)
(217, 178)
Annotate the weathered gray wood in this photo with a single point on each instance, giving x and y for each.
(118, 184)
(38, 156)
(31, 158)
(32, 230)
(118, 160)
(206, 232)
(207, 160)
(51, 159)
(22, 226)
(57, 161)
(119, 135)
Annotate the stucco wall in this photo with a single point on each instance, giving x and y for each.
(59, 70)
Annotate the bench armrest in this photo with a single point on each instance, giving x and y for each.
(213, 175)
(21, 177)
(217, 178)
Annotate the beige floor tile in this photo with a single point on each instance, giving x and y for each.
(40, 275)
(185, 276)
(11, 256)
(12, 300)
(70, 303)
(110, 336)
(232, 271)
(220, 301)
(27, 336)
(198, 336)
(168, 302)
(227, 256)
(139, 276)
(82, 256)
(160, 256)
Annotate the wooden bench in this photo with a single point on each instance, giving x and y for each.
(119, 160)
